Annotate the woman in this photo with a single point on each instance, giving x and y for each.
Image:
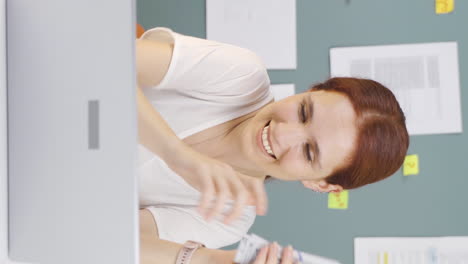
(210, 134)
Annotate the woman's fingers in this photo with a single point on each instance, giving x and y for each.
(286, 255)
(218, 182)
(257, 193)
(222, 195)
(240, 199)
(207, 195)
(243, 188)
(273, 254)
(269, 255)
(261, 256)
(260, 196)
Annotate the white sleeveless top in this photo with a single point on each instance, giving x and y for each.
(207, 83)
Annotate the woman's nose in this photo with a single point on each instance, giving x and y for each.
(287, 135)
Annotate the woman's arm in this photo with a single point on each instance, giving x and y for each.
(152, 62)
(154, 250)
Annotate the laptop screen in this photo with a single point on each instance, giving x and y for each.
(72, 131)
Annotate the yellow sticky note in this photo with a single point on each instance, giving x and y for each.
(411, 165)
(338, 200)
(444, 6)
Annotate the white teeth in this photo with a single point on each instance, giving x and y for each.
(266, 145)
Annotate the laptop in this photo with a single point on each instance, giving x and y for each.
(72, 132)
(3, 140)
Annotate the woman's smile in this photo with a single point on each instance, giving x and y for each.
(263, 141)
(266, 141)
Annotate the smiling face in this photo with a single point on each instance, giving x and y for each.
(303, 137)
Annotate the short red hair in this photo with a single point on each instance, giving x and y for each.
(382, 140)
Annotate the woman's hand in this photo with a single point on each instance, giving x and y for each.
(269, 255)
(217, 180)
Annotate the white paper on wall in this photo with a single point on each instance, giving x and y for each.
(411, 250)
(267, 27)
(423, 77)
(281, 91)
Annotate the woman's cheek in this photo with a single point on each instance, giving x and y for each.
(293, 166)
(286, 112)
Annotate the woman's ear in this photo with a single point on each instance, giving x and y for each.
(321, 186)
(311, 185)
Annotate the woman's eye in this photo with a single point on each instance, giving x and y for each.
(303, 113)
(307, 152)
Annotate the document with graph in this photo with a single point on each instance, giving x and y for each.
(424, 78)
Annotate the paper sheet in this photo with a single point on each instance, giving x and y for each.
(281, 91)
(267, 27)
(411, 250)
(423, 77)
(251, 244)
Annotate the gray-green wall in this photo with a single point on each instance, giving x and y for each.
(433, 203)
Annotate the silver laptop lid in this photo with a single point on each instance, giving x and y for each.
(3, 140)
(72, 131)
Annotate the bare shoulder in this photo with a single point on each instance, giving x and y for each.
(152, 61)
(148, 227)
